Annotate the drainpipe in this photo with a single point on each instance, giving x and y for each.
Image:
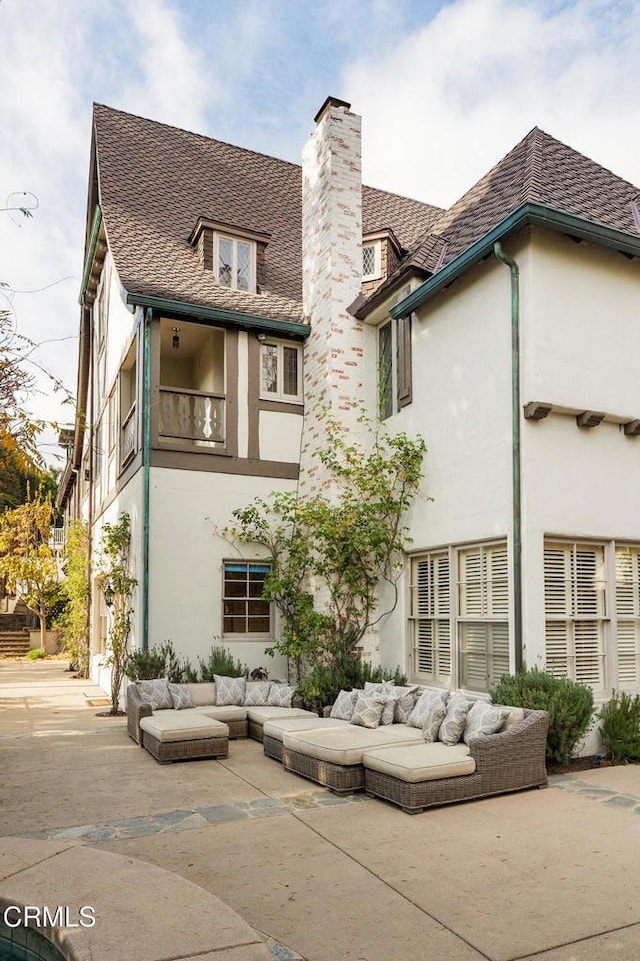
(146, 450)
(515, 449)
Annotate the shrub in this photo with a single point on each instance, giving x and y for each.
(570, 707)
(347, 671)
(220, 661)
(35, 654)
(160, 661)
(621, 727)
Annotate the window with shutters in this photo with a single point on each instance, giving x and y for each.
(483, 616)
(431, 618)
(394, 363)
(575, 611)
(627, 561)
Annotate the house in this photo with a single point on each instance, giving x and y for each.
(225, 293)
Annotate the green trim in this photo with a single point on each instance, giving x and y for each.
(91, 249)
(515, 450)
(146, 460)
(527, 214)
(233, 318)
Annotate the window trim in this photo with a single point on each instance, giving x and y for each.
(245, 635)
(377, 260)
(279, 396)
(235, 239)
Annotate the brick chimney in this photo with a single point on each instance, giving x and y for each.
(332, 277)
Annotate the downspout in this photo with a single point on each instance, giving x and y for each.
(146, 450)
(515, 449)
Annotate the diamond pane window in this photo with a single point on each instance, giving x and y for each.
(270, 368)
(281, 372)
(290, 371)
(235, 263)
(371, 261)
(243, 266)
(244, 609)
(225, 261)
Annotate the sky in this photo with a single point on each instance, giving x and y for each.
(444, 89)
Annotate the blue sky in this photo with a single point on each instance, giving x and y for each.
(444, 90)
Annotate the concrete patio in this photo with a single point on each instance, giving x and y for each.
(547, 875)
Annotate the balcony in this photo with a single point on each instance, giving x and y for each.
(192, 417)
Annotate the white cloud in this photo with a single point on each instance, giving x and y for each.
(452, 98)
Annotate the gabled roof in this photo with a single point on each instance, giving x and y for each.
(155, 181)
(541, 180)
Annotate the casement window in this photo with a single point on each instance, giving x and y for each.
(371, 261)
(235, 263)
(460, 638)
(394, 363)
(431, 618)
(281, 372)
(575, 611)
(243, 609)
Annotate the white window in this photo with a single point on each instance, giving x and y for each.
(234, 263)
(461, 638)
(371, 260)
(281, 372)
(575, 611)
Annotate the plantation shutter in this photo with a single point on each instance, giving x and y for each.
(628, 616)
(484, 612)
(431, 605)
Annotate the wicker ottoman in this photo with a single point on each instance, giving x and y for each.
(275, 730)
(170, 737)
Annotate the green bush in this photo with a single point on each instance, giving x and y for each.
(348, 671)
(569, 705)
(620, 729)
(220, 661)
(35, 654)
(160, 661)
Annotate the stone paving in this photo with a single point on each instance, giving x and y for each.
(607, 796)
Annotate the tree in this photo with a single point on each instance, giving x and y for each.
(115, 577)
(347, 543)
(73, 623)
(27, 561)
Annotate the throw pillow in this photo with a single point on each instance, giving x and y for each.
(455, 719)
(404, 703)
(281, 695)
(229, 690)
(368, 709)
(424, 704)
(344, 705)
(257, 693)
(432, 718)
(482, 719)
(388, 689)
(180, 697)
(156, 693)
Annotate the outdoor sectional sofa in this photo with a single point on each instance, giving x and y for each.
(393, 762)
(203, 730)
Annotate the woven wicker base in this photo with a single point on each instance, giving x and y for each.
(255, 729)
(167, 751)
(272, 747)
(341, 779)
(237, 729)
(414, 798)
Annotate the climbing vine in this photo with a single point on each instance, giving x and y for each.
(115, 578)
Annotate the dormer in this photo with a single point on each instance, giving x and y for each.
(235, 255)
(381, 254)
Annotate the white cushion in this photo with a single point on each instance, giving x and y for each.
(421, 762)
(233, 712)
(280, 726)
(346, 745)
(182, 726)
(270, 713)
(201, 694)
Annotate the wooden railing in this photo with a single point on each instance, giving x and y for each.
(193, 416)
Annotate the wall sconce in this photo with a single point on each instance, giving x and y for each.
(108, 595)
(262, 338)
(176, 338)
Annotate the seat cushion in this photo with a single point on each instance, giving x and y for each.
(346, 745)
(168, 726)
(202, 693)
(221, 713)
(421, 762)
(280, 726)
(262, 714)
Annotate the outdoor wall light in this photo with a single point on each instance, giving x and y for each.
(108, 595)
(176, 338)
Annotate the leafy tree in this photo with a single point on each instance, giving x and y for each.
(346, 542)
(115, 575)
(73, 622)
(27, 562)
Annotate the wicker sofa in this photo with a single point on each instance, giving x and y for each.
(394, 762)
(241, 720)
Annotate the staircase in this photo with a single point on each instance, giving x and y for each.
(14, 643)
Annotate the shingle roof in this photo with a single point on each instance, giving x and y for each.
(541, 170)
(155, 181)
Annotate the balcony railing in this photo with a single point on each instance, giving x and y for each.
(192, 416)
(56, 538)
(128, 436)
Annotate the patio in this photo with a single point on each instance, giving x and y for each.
(543, 874)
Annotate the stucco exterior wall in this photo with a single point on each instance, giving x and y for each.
(280, 436)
